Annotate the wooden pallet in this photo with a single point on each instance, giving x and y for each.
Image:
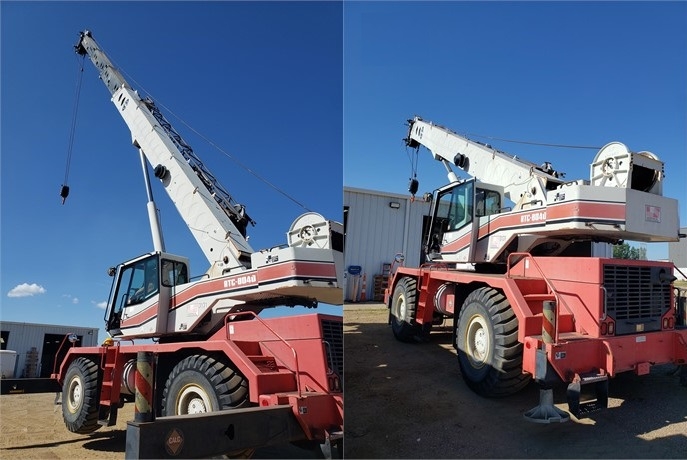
(31, 364)
(381, 282)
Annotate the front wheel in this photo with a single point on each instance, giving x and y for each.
(80, 396)
(403, 311)
(489, 353)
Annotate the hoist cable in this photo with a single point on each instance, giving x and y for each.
(72, 129)
(413, 159)
(228, 155)
(211, 143)
(542, 144)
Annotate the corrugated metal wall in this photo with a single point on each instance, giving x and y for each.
(376, 232)
(24, 336)
(677, 252)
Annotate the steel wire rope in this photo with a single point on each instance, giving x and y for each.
(414, 162)
(211, 143)
(541, 144)
(64, 192)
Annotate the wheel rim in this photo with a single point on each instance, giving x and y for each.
(193, 400)
(477, 341)
(74, 394)
(401, 307)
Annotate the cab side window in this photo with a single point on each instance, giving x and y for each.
(174, 273)
(487, 202)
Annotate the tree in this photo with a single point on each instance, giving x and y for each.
(625, 251)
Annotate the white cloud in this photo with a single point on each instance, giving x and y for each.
(101, 305)
(73, 299)
(26, 290)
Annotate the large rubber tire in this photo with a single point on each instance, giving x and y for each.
(200, 384)
(403, 310)
(489, 353)
(80, 396)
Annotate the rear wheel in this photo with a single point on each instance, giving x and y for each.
(80, 396)
(489, 353)
(199, 384)
(403, 311)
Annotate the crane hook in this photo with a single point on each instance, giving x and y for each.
(64, 192)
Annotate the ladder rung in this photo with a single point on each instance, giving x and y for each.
(541, 297)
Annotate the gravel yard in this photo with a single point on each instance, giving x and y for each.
(31, 427)
(409, 401)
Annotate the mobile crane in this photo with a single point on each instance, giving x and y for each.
(210, 350)
(509, 260)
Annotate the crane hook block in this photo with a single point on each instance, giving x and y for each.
(413, 185)
(64, 192)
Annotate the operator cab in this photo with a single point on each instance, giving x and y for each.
(145, 282)
(457, 208)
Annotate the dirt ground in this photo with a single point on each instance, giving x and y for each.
(409, 401)
(31, 427)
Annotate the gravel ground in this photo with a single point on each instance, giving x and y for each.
(31, 427)
(409, 401)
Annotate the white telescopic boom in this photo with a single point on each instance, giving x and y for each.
(216, 222)
(523, 182)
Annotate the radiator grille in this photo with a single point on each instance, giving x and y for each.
(634, 295)
(332, 332)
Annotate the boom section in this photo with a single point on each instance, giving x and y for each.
(524, 183)
(216, 222)
(473, 220)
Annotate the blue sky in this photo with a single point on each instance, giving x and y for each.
(309, 97)
(573, 73)
(263, 81)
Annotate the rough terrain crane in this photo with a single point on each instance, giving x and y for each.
(509, 259)
(282, 377)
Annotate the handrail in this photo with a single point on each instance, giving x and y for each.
(72, 338)
(330, 356)
(559, 299)
(605, 304)
(430, 266)
(227, 319)
(679, 291)
(103, 353)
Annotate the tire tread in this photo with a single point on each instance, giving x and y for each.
(505, 376)
(86, 421)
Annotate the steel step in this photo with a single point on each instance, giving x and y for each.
(582, 409)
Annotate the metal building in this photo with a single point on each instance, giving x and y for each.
(378, 225)
(37, 345)
(677, 253)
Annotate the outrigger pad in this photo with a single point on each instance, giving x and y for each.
(546, 412)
